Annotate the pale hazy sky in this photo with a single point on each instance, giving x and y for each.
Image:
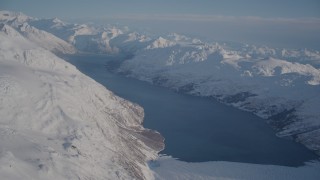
(283, 23)
(99, 8)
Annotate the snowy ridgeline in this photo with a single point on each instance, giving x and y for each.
(280, 85)
(57, 123)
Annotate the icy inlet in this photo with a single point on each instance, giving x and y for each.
(58, 123)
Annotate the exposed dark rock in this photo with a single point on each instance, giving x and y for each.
(153, 139)
(282, 119)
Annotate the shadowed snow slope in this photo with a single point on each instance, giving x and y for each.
(57, 123)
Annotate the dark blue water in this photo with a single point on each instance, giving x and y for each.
(198, 129)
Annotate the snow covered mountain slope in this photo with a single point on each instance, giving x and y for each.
(42, 38)
(84, 38)
(91, 39)
(57, 123)
(282, 86)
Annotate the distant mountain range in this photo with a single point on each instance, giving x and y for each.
(280, 85)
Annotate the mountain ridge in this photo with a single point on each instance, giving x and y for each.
(58, 123)
(280, 85)
(263, 80)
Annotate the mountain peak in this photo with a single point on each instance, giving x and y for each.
(56, 20)
(10, 31)
(161, 43)
(16, 16)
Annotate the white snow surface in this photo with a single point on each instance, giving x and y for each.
(20, 22)
(265, 81)
(57, 123)
(160, 43)
(169, 168)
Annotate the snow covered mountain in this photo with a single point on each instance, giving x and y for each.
(55, 118)
(57, 123)
(85, 38)
(282, 86)
(66, 37)
(42, 38)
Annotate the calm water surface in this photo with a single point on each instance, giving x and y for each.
(198, 129)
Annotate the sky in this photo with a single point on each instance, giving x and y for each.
(104, 8)
(293, 23)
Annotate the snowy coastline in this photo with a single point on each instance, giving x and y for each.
(58, 123)
(55, 118)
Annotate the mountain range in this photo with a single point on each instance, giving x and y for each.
(70, 121)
